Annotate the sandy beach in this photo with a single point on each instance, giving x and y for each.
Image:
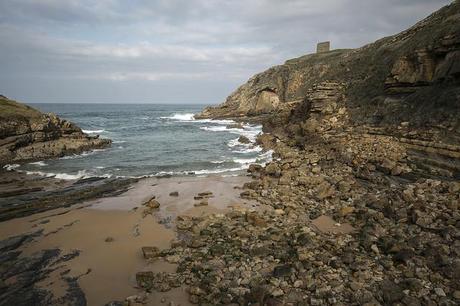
(108, 235)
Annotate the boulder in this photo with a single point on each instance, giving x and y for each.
(244, 139)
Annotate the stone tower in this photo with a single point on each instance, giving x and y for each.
(323, 47)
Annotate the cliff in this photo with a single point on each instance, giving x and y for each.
(26, 134)
(412, 76)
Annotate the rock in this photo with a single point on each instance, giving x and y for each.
(243, 139)
(205, 194)
(144, 279)
(254, 168)
(298, 283)
(281, 271)
(196, 291)
(150, 252)
(457, 294)
(324, 191)
(203, 202)
(27, 134)
(174, 194)
(173, 259)
(439, 292)
(256, 220)
(277, 292)
(109, 239)
(391, 292)
(346, 210)
(152, 203)
(272, 169)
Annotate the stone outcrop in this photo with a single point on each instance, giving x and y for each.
(27, 134)
(412, 76)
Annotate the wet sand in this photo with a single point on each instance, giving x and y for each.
(110, 232)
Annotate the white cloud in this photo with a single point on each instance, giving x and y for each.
(176, 43)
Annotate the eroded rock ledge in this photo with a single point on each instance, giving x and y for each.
(27, 135)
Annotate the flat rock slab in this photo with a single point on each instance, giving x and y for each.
(327, 225)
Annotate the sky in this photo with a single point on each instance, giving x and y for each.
(174, 51)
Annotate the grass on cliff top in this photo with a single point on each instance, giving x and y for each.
(10, 109)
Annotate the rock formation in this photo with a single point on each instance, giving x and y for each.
(361, 203)
(27, 134)
(412, 76)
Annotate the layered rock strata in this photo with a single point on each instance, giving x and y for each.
(27, 135)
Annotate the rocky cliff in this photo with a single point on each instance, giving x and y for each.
(27, 134)
(412, 76)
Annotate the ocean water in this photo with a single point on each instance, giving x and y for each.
(151, 140)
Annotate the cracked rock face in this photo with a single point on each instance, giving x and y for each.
(27, 134)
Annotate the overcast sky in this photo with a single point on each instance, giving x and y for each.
(174, 51)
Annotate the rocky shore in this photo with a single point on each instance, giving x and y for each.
(29, 135)
(360, 205)
(362, 199)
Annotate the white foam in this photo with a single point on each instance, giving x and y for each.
(245, 161)
(215, 121)
(39, 163)
(215, 128)
(66, 176)
(218, 161)
(181, 117)
(118, 141)
(189, 117)
(83, 154)
(246, 150)
(248, 131)
(214, 171)
(63, 176)
(11, 167)
(93, 131)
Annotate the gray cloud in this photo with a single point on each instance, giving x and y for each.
(174, 51)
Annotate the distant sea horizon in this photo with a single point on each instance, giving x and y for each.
(151, 139)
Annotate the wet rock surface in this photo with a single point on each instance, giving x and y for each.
(50, 193)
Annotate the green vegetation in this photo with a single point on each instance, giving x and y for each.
(12, 109)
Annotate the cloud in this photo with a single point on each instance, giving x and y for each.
(94, 48)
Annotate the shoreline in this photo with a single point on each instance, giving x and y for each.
(109, 233)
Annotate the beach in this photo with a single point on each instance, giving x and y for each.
(109, 234)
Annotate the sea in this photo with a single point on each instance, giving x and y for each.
(151, 140)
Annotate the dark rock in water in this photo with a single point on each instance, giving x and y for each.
(243, 139)
(27, 134)
(174, 194)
